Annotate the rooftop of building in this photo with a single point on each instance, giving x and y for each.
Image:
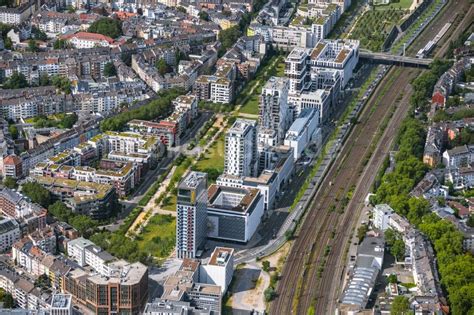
(265, 178)
(7, 225)
(89, 36)
(297, 53)
(243, 198)
(185, 99)
(241, 126)
(122, 272)
(221, 256)
(298, 125)
(189, 264)
(99, 252)
(192, 180)
(61, 301)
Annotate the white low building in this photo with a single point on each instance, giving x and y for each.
(76, 249)
(382, 214)
(303, 131)
(219, 269)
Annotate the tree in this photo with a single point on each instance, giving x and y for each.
(13, 130)
(6, 3)
(16, 81)
(68, 121)
(44, 79)
(60, 211)
(109, 70)
(361, 231)
(61, 83)
(417, 208)
(392, 278)
(470, 221)
(38, 34)
(61, 44)
(269, 294)
(400, 306)
(7, 299)
(107, 26)
(181, 9)
(83, 223)
(462, 299)
(71, 9)
(163, 67)
(229, 36)
(265, 265)
(32, 45)
(203, 15)
(8, 43)
(398, 249)
(10, 182)
(37, 193)
(42, 281)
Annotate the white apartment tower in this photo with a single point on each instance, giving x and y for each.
(297, 69)
(191, 215)
(274, 113)
(241, 148)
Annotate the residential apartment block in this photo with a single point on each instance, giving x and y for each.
(30, 216)
(241, 148)
(274, 112)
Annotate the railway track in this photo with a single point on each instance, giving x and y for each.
(304, 283)
(324, 217)
(448, 14)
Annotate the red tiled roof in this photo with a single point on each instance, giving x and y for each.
(89, 36)
(12, 160)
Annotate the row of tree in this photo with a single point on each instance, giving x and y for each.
(153, 110)
(455, 267)
(18, 81)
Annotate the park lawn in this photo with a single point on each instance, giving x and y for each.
(214, 158)
(170, 204)
(251, 106)
(158, 236)
(402, 4)
(280, 69)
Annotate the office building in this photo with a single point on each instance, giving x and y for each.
(234, 213)
(191, 215)
(297, 69)
(123, 291)
(241, 148)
